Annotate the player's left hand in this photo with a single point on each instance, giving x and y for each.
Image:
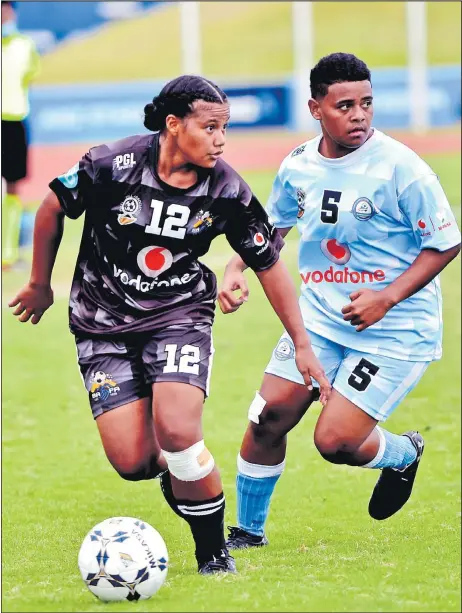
(233, 280)
(367, 307)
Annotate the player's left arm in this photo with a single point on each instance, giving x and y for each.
(368, 306)
(234, 280)
(424, 201)
(282, 210)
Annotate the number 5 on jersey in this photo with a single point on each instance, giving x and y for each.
(174, 224)
(329, 206)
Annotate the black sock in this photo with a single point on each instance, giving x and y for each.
(206, 520)
(166, 488)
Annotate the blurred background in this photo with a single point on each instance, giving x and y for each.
(101, 62)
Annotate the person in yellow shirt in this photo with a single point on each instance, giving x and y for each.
(20, 64)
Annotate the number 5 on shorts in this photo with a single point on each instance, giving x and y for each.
(361, 375)
(189, 360)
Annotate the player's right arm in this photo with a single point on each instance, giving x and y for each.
(68, 197)
(37, 296)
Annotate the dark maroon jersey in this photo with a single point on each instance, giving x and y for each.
(138, 266)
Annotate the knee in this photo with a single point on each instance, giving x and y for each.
(192, 464)
(133, 475)
(138, 471)
(270, 425)
(334, 447)
(176, 440)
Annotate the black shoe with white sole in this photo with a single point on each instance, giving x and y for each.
(241, 539)
(223, 563)
(394, 487)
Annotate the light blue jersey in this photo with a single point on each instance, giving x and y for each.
(363, 219)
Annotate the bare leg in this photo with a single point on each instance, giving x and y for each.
(286, 403)
(128, 438)
(345, 434)
(177, 409)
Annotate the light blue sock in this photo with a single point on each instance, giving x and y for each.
(255, 484)
(395, 451)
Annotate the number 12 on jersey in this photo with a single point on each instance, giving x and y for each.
(174, 224)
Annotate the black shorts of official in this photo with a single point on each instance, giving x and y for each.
(116, 372)
(14, 150)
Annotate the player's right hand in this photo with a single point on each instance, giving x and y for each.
(309, 366)
(32, 301)
(233, 280)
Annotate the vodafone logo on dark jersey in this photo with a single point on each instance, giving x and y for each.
(259, 239)
(334, 251)
(154, 260)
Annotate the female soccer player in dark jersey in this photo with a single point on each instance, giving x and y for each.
(142, 304)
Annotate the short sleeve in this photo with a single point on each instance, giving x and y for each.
(73, 188)
(429, 213)
(251, 234)
(281, 207)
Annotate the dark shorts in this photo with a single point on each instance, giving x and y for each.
(117, 372)
(14, 150)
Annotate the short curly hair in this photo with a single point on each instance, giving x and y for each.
(336, 68)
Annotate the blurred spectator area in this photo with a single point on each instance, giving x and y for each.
(51, 22)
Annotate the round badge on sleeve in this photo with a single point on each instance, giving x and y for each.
(363, 209)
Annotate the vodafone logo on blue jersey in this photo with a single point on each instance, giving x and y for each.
(154, 260)
(334, 251)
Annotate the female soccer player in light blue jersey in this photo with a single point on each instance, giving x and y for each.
(376, 229)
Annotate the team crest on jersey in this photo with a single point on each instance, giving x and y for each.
(202, 222)
(298, 150)
(301, 195)
(285, 349)
(103, 386)
(129, 210)
(363, 209)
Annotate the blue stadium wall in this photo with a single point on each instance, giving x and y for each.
(92, 113)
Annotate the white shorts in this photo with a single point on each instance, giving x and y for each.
(374, 383)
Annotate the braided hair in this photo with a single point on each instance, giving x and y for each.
(177, 97)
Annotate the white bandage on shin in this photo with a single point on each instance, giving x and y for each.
(256, 408)
(192, 464)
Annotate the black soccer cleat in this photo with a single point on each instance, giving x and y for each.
(241, 539)
(394, 487)
(224, 563)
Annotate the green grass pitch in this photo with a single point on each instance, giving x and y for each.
(325, 553)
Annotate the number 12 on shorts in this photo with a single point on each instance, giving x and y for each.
(361, 375)
(188, 362)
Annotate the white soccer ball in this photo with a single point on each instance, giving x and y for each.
(123, 558)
